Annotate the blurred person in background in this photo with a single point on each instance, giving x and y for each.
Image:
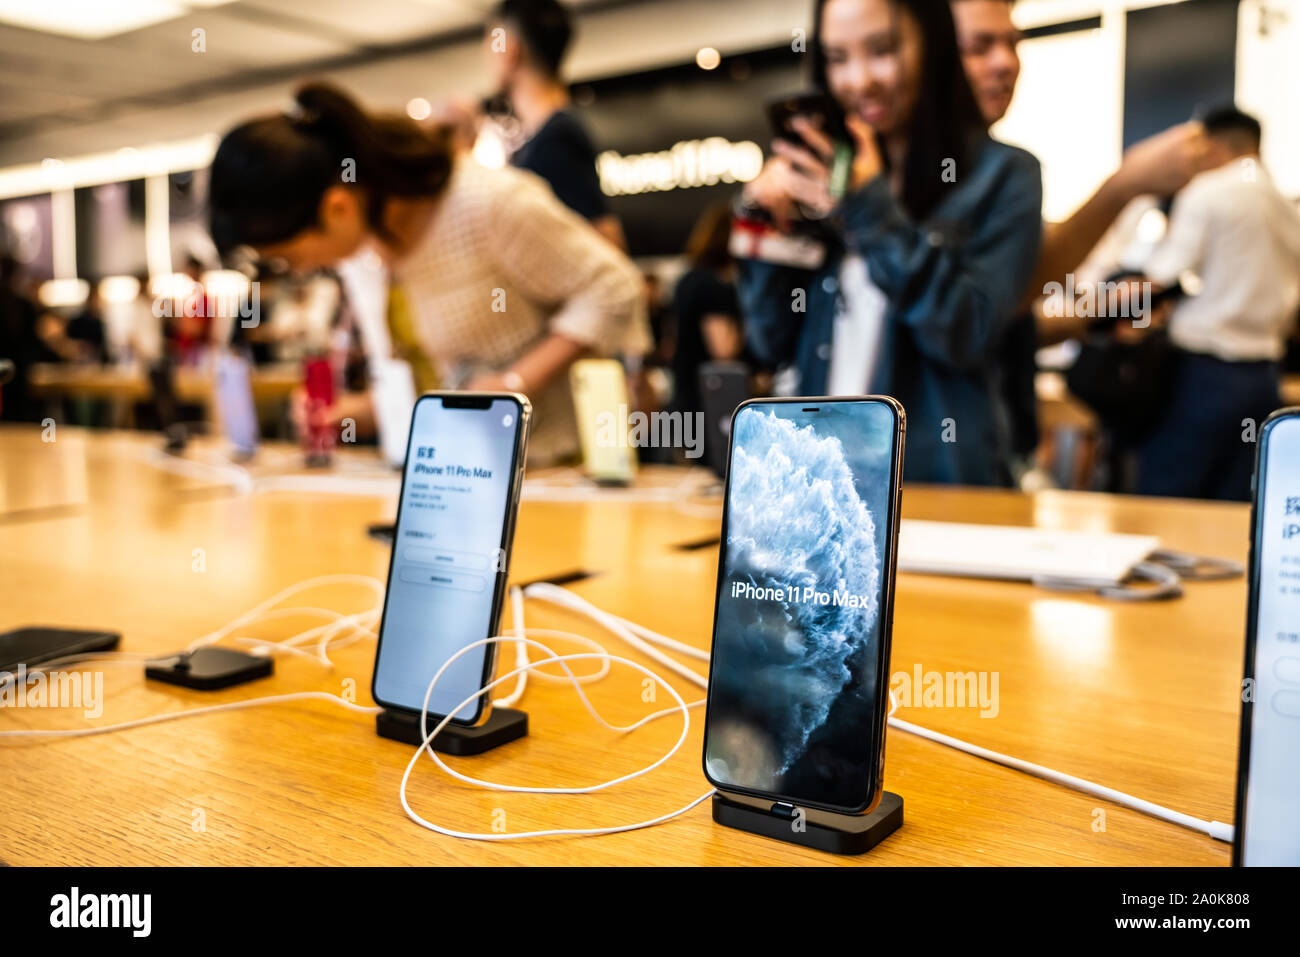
(705, 310)
(87, 326)
(526, 43)
(1291, 361)
(922, 271)
(1232, 229)
(506, 287)
(188, 326)
(1159, 165)
(259, 338)
(660, 319)
(79, 338)
(459, 118)
(76, 339)
(989, 41)
(304, 314)
(145, 326)
(18, 343)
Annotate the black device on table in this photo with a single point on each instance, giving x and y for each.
(33, 646)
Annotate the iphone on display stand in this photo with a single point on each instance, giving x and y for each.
(798, 692)
(451, 552)
(1267, 830)
(723, 386)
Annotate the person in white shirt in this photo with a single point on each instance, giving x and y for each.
(1234, 240)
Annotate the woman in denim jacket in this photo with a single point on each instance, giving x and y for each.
(925, 257)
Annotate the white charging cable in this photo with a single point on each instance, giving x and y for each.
(1216, 829)
(643, 642)
(8, 678)
(564, 598)
(521, 652)
(519, 636)
(639, 637)
(621, 627)
(521, 662)
(335, 633)
(563, 661)
(341, 631)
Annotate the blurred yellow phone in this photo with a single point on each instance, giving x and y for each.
(600, 401)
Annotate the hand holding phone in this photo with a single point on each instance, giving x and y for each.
(818, 155)
(1132, 300)
(818, 111)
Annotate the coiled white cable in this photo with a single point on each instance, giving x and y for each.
(521, 654)
(567, 599)
(563, 661)
(639, 637)
(334, 631)
(117, 658)
(521, 661)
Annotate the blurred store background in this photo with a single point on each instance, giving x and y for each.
(110, 112)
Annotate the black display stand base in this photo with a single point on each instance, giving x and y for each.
(502, 726)
(851, 833)
(209, 668)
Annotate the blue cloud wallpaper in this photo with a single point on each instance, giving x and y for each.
(797, 633)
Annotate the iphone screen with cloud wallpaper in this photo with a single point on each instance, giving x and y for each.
(798, 681)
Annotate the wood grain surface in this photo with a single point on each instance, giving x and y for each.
(99, 530)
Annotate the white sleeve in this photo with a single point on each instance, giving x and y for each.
(1183, 244)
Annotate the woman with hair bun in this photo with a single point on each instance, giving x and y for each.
(506, 286)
